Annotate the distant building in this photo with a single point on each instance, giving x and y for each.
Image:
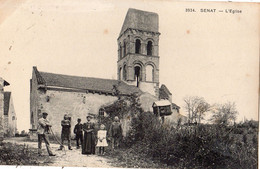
(138, 72)
(9, 115)
(3, 83)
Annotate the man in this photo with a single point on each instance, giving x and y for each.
(42, 131)
(78, 130)
(65, 132)
(115, 133)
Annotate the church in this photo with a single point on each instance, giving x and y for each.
(137, 72)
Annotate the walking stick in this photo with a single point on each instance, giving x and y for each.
(57, 140)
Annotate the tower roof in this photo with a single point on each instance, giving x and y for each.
(141, 20)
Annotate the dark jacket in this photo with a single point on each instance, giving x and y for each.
(78, 129)
(116, 130)
(65, 126)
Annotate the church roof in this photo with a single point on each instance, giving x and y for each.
(175, 106)
(141, 20)
(85, 83)
(164, 92)
(6, 83)
(163, 87)
(7, 97)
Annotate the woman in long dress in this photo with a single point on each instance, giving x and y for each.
(88, 146)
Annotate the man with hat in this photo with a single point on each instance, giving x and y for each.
(65, 132)
(43, 131)
(78, 130)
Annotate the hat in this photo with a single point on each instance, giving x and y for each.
(89, 116)
(45, 113)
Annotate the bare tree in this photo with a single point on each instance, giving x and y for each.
(196, 108)
(224, 113)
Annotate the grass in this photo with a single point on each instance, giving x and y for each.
(14, 154)
(210, 146)
(129, 158)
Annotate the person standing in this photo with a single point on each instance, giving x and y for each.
(115, 133)
(66, 132)
(43, 131)
(78, 130)
(88, 146)
(102, 139)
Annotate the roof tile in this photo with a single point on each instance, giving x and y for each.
(86, 83)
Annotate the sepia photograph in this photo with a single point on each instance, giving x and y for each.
(129, 84)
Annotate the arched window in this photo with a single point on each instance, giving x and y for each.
(120, 51)
(138, 74)
(124, 49)
(124, 72)
(32, 120)
(137, 46)
(120, 74)
(150, 48)
(149, 73)
(101, 112)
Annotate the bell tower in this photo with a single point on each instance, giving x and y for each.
(138, 51)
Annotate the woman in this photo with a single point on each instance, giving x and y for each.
(88, 146)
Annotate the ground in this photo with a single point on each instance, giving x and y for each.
(65, 158)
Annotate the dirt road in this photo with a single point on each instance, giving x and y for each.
(68, 158)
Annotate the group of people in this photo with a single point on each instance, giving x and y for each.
(87, 135)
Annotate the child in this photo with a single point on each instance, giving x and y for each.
(102, 141)
(78, 130)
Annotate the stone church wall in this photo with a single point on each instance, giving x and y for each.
(75, 104)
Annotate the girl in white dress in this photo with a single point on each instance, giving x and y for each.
(102, 139)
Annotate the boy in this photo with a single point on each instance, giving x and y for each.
(79, 133)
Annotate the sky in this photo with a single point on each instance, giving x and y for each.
(211, 55)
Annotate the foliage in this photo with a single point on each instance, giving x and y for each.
(13, 154)
(196, 108)
(200, 146)
(184, 146)
(129, 158)
(224, 113)
(124, 107)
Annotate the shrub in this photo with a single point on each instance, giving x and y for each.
(12, 154)
(200, 146)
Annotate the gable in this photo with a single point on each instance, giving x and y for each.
(164, 92)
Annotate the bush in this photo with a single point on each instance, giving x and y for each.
(184, 146)
(12, 154)
(201, 146)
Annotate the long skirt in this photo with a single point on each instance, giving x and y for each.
(88, 146)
